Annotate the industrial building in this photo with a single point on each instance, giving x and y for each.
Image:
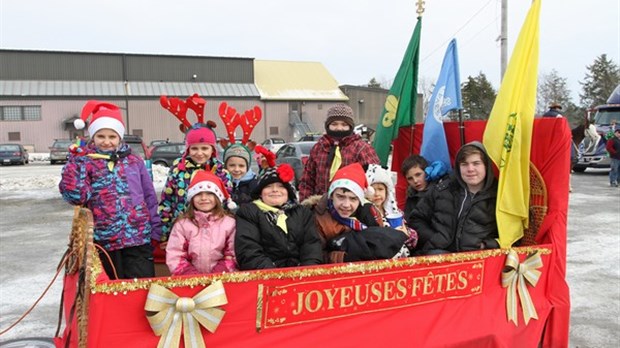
(42, 93)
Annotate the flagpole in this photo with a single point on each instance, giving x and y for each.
(419, 11)
(461, 127)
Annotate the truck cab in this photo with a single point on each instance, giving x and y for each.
(592, 152)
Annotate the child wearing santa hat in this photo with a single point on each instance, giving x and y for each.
(274, 231)
(202, 239)
(350, 227)
(114, 184)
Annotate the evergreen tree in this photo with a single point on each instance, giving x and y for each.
(373, 83)
(601, 79)
(478, 97)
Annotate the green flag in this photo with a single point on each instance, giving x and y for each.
(399, 108)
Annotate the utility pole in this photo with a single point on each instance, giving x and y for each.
(504, 39)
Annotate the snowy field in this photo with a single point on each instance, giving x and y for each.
(35, 222)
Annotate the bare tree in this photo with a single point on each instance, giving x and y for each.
(552, 88)
(425, 86)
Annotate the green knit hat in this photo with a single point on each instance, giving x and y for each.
(238, 150)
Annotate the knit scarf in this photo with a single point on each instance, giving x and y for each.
(275, 216)
(336, 162)
(350, 222)
(111, 158)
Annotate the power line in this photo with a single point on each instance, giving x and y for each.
(458, 30)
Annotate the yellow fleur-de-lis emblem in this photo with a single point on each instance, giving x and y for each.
(391, 105)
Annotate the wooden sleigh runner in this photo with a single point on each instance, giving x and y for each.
(492, 298)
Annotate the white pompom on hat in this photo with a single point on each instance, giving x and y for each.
(205, 181)
(104, 115)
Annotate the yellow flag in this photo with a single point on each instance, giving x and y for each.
(508, 134)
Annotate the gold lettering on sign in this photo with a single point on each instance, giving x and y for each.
(386, 291)
(330, 298)
(344, 296)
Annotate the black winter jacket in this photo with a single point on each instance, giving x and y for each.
(242, 192)
(451, 218)
(415, 197)
(260, 244)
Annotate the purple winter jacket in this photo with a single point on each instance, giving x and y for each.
(122, 200)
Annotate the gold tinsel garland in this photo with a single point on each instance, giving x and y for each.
(122, 287)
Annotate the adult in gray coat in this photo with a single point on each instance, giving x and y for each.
(459, 213)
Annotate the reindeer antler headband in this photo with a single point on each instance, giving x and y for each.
(179, 108)
(232, 119)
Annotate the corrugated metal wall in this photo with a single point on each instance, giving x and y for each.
(79, 66)
(367, 103)
(315, 113)
(36, 65)
(40, 134)
(206, 69)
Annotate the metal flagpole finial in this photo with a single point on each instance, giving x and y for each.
(420, 7)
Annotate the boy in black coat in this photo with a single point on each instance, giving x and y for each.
(459, 213)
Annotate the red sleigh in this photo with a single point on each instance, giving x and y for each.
(445, 300)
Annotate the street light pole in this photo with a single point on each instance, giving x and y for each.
(504, 39)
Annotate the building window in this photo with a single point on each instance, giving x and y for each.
(15, 136)
(20, 113)
(319, 106)
(11, 113)
(32, 113)
(273, 131)
(138, 132)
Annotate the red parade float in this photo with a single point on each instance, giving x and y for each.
(430, 301)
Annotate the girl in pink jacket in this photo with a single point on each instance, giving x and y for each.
(202, 239)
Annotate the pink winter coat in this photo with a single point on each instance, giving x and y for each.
(206, 248)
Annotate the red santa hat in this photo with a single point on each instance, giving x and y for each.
(104, 115)
(352, 178)
(205, 181)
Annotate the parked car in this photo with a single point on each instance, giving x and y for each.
(296, 154)
(137, 146)
(310, 137)
(273, 144)
(164, 154)
(59, 151)
(158, 142)
(13, 154)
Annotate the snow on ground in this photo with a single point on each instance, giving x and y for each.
(27, 183)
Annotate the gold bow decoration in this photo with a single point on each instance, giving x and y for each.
(515, 277)
(167, 313)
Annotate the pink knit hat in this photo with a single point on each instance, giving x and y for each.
(201, 134)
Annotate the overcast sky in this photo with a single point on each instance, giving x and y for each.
(356, 39)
